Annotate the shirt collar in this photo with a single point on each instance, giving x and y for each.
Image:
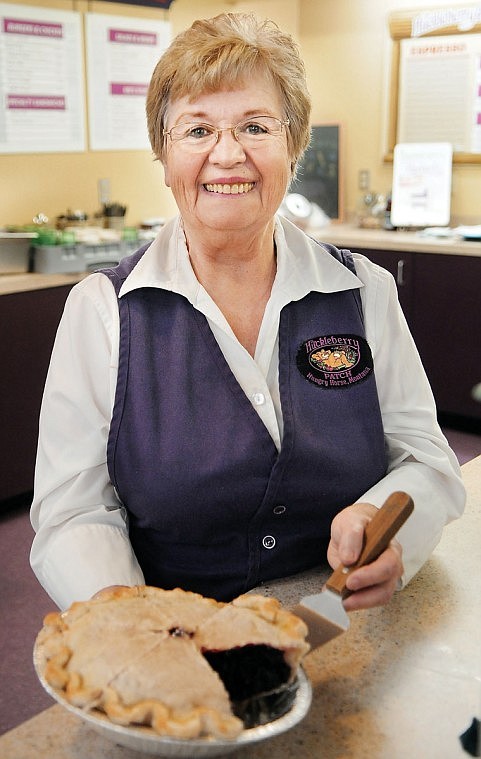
(303, 265)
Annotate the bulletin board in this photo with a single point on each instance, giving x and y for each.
(320, 171)
(435, 86)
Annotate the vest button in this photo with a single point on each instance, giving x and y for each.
(268, 542)
(279, 509)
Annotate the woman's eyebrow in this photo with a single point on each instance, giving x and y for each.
(203, 116)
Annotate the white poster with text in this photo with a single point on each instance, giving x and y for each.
(41, 80)
(121, 55)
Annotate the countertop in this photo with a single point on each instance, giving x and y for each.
(404, 681)
(351, 236)
(18, 283)
(341, 235)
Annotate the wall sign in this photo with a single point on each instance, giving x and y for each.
(121, 55)
(41, 80)
(435, 89)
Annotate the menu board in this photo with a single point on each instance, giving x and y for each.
(440, 91)
(41, 80)
(121, 55)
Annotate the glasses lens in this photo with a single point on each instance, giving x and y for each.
(258, 130)
(194, 136)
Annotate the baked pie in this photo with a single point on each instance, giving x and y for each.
(186, 665)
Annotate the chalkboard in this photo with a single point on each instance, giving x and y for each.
(319, 173)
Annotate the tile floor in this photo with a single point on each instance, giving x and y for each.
(466, 445)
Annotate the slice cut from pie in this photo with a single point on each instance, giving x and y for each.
(186, 665)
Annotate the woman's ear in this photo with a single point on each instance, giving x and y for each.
(166, 170)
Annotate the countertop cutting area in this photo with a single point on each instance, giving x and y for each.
(403, 682)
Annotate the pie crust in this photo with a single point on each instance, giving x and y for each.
(143, 655)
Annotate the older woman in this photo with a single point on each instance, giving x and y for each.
(199, 428)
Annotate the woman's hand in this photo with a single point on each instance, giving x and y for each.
(375, 583)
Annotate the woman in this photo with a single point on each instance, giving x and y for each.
(192, 431)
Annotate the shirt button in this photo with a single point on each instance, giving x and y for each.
(259, 399)
(268, 542)
(279, 509)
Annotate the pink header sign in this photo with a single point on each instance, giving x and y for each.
(32, 28)
(127, 37)
(117, 88)
(36, 102)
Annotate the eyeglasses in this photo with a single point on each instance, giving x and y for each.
(251, 133)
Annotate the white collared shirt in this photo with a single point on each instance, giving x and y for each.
(81, 542)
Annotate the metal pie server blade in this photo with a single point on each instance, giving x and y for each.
(324, 612)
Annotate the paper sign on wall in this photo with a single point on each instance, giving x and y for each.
(41, 80)
(421, 192)
(122, 54)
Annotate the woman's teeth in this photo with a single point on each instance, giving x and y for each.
(230, 189)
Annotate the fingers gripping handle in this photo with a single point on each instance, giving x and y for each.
(377, 536)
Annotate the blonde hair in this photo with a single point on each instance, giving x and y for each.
(221, 53)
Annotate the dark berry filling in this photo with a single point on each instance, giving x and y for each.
(257, 680)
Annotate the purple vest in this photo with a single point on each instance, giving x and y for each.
(212, 506)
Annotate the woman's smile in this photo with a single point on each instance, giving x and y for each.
(224, 188)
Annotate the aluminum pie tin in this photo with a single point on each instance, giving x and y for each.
(146, 740)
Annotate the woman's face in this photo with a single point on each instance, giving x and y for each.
(229, 187)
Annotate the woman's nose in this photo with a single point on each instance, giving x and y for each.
(227, 149)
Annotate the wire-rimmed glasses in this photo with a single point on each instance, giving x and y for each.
(250, 133)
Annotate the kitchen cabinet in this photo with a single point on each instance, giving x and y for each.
(446, 324)
(441, 298)
(401, 266)
(28, 324)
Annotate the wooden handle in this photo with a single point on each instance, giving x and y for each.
(377, 536)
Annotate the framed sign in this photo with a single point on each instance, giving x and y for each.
(319, 173)
(435, 87)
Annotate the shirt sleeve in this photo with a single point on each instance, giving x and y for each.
(81, 543)
(421, 461)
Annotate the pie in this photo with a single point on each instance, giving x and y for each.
(183, 664)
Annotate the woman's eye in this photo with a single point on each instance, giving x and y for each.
(254, 128)
(199, 131)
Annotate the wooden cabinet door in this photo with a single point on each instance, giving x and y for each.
(446, 325)
(401, 266)
(28, 324)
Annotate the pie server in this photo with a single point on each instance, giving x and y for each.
(324, 612)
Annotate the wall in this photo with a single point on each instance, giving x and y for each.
(346, 48)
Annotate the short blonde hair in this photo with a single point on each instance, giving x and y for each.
(220, 53)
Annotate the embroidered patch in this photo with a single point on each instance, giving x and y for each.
(335, 360)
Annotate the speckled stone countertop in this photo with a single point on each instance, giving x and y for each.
(403, 683)
(351, 236)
